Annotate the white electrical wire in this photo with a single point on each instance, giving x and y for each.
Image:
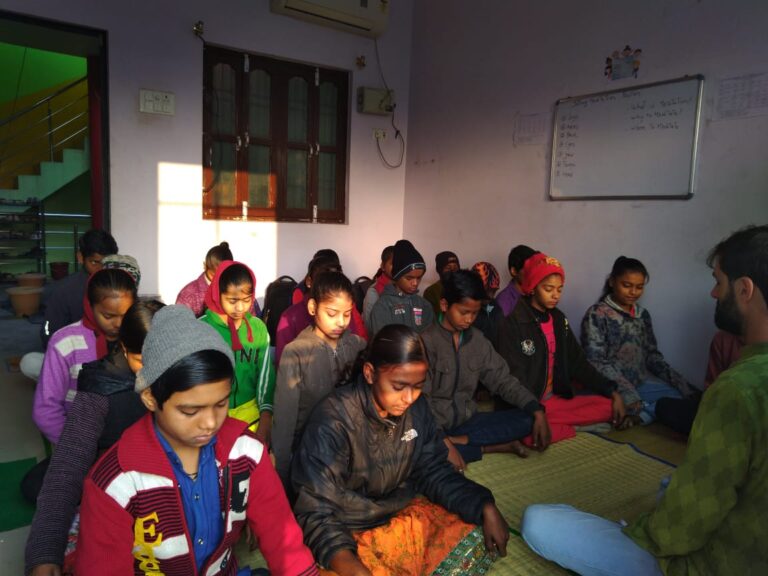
(398, 134)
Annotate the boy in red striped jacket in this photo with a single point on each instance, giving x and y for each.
(173, 495)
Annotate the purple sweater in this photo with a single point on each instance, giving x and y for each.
(68, 349)
(507, 298)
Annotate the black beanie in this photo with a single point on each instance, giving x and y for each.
(444, 258)
(405, 258)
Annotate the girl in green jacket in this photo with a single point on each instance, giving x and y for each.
(228, 301)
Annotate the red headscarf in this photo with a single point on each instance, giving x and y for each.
(89, 319)
(213, 302)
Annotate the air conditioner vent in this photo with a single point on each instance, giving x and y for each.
(366, 17)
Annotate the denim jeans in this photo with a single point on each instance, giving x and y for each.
(587, 544)
(651, 391)
(489, 428)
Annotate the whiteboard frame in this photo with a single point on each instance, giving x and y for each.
(694, 148)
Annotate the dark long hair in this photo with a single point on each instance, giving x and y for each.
(394, 344)
(328, 284)
(109, 280)
(201, 367)
(621, 266)
(386, 254)
(236, 275)
(136, 324)
(217, 255)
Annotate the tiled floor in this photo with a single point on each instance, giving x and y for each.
(19, 438)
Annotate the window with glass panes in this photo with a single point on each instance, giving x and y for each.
(274, 139)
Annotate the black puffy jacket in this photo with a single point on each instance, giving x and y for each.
(354, 470)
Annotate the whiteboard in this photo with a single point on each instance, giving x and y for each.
(637, 142)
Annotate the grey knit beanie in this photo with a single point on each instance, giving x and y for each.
(174, 334)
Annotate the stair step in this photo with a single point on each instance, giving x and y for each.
(53, 175)
(28, 185)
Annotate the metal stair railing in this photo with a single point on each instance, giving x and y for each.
(36, 133)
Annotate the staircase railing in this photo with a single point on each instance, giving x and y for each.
(39, 132)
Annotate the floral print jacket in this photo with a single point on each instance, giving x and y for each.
(623, 348)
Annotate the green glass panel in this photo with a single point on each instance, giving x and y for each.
(297, 179)
(223, 164)
(297, 109)
(223, 114)
(328, 103)
(258, 104)
(258, 177)
(326, 181)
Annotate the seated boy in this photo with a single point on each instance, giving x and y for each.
(542, 352)
(175, 492)
(508, 297)
(445, 263)
(460, 357)
(400, 302)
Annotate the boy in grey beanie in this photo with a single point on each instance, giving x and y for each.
(174, 334)
(186, 472)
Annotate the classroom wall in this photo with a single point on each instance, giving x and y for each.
(155, 161)
(483, 63)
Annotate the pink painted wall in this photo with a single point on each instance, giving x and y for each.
(470, 189)
(155, 168)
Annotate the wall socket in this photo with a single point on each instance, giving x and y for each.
(379, 134)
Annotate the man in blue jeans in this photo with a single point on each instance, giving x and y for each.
(711, 518)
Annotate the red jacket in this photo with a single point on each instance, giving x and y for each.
(132, 518)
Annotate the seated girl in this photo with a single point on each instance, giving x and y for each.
(228, 301)
(382, 277)
(296, 317)
(175, 492)
(366, 452)
(109, 294)
(618, 339)
(542, 352)
(314, 363)
(104, 407)
(193, 294)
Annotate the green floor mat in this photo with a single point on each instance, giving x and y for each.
(15, 511)
(588, 472)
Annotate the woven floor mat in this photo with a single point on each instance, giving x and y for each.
(588, 472)
(655, 440)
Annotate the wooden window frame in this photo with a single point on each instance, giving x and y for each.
(280, 72)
